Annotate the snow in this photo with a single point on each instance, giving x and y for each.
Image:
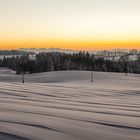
(67, 106)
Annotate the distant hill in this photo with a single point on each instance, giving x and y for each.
(12, 52)
(39, 50)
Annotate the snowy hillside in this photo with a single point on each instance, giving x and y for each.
(67, 106)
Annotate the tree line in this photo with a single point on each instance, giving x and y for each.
(56, 61)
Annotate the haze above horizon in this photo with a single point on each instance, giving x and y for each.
(70, 24)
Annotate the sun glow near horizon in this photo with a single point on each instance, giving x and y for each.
(69, 24)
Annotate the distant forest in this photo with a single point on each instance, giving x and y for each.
(12, 52)
(55, 61)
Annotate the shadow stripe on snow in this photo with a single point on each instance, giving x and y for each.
(11, 94)
(32, 125)
(88, 121)
(8, 136)
(82, 110)
(115, 125)
(42, 94)
(85, 120)
(39, 93)
(60, 103)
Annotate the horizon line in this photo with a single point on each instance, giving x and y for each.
(47, 48)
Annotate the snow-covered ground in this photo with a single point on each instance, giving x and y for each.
(67, 106)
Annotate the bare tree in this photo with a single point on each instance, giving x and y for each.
(127, 64)
(22, 77)
(91, 76)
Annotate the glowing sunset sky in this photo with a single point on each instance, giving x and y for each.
(70, 24)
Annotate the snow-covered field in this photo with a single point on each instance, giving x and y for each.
(67, 106)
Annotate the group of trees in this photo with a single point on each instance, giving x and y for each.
(12, 52)
(55, 61)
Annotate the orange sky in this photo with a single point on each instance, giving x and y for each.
(78, 25)
(79, 45)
